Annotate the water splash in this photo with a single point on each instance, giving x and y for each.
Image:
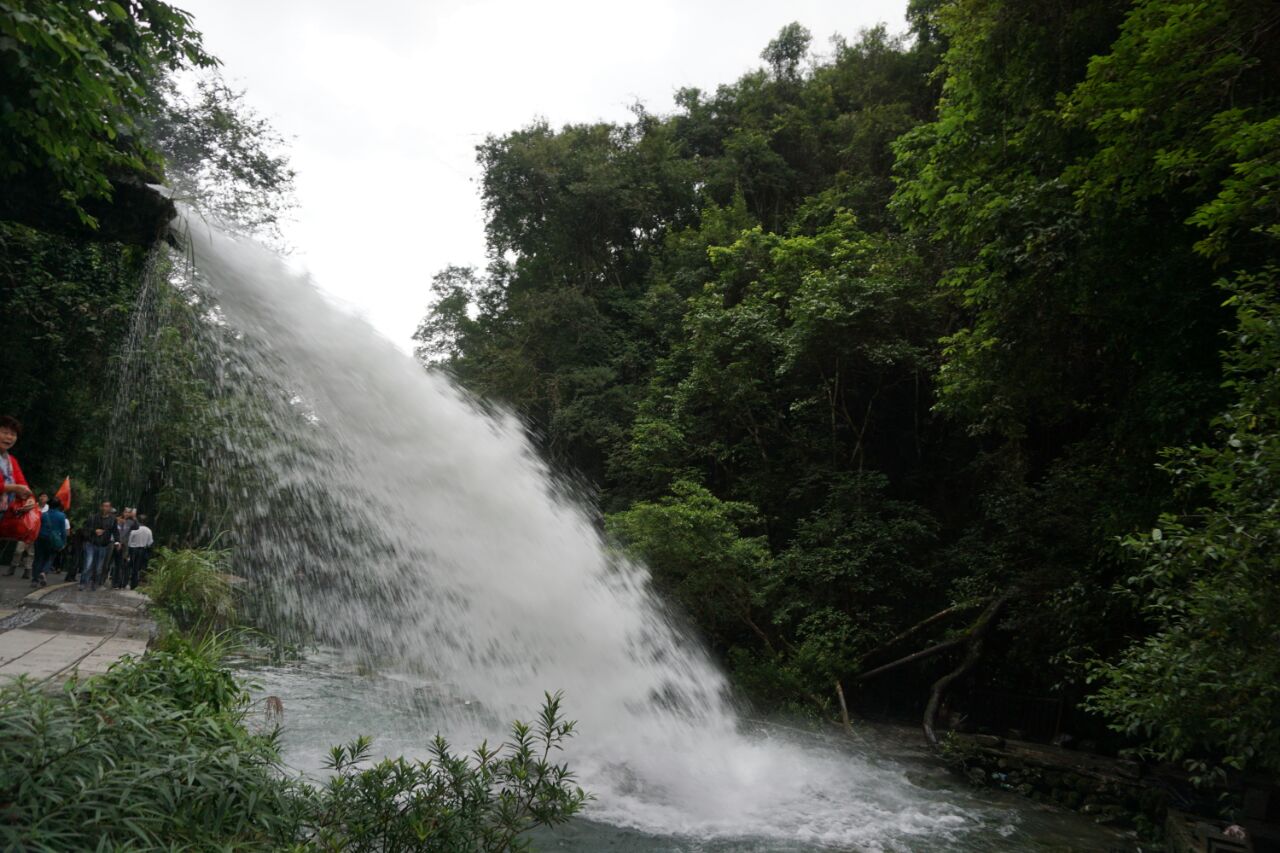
(418, 533)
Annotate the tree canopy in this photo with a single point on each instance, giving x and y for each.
(76, 84)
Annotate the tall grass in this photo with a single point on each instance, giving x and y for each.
(190, 587)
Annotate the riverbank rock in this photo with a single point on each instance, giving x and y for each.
(1111, 791)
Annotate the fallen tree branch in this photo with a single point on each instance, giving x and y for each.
(938, 648)
(974, 637)
(913, 657)
(920, 626)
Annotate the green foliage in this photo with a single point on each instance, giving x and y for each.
(1053, 292)
(853, 567)
(100, 343)
(221, 157)
(858, 337)
(1204, 688)
(68, 304)
(184, 670)
(785, 52)
(76, 79)
(190, 586)
(1184, 104)
(1183, 109)
(602, 231)
(1081, 190)
(486, 802)
(157, 754)
(700, 556)
(125, 762)
(448, 325)
(799, 351)
(798, 621)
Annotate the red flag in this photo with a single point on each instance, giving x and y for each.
(64, 493)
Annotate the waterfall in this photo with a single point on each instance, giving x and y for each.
(415, 529)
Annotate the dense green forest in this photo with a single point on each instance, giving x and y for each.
(940, 371)
(960, 342)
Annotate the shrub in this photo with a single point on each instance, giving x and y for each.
(156, 755)
(190, 588)
(151, 755)
(450, 802)
(1204, 688)
(188, 673)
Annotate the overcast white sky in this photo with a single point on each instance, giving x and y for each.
(385, 101)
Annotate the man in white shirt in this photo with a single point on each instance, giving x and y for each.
(140, 542)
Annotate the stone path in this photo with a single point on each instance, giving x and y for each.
(54, 632)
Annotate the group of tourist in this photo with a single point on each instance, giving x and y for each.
(115, 547)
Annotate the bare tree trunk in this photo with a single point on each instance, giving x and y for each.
(755, 629)
(754, 430)
(972, 639)
(974, 636)
(844, 709)
(940, 688)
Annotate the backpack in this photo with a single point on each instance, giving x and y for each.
(54, 535)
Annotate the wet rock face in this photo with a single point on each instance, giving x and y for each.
(1110, 791)
(135, 214)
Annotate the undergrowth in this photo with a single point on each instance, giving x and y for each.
(158, 753)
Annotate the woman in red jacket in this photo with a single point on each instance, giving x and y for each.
(18, 518)
(11, 480)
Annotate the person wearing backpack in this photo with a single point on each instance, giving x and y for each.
(52, 539)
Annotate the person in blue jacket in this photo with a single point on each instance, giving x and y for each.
(52, 539)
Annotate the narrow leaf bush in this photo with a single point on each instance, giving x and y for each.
(156, 755)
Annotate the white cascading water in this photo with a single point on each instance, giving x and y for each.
(435, 542)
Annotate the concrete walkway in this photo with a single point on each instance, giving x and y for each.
(56, 631)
